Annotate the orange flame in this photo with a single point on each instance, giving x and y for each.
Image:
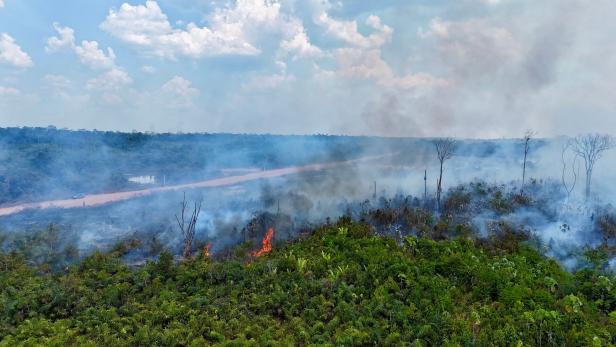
(267, 244)
(206, 250)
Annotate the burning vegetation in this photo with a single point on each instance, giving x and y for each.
(266, 244)
(206, 250)
(457, 267)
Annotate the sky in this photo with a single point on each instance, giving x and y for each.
(417, 68)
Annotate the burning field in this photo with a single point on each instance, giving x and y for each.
(307, 173)
(391, 191)
(368, 238)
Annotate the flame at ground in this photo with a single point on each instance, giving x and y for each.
(206, 250)
(266, 244)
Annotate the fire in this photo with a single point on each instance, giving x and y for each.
(266, 244)
(206, 250)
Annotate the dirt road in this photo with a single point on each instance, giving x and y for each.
(101, 199)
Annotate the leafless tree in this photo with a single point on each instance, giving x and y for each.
(445, 149)
(569, 182)
(590, 147)
(188, 228)
(528, 136)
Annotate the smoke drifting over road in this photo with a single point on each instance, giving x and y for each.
(335, 177)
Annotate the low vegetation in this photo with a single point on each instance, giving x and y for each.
(341, 285)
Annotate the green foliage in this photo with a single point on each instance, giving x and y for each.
(597, 257)
(340, 286)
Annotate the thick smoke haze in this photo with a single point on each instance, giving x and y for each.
(239, 212)
(398, 72)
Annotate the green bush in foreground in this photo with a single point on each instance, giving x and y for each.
(340, 286)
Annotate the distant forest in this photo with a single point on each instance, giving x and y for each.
(41, 163)
(50, 163)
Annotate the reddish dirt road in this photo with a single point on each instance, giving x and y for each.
(101, 199)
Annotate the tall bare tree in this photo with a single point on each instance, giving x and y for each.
(590, 147)
(569, 182)
(528, 136)
(445, 149)
(188, 227)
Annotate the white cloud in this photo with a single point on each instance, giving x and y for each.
(62, 87)
(232, 30)
(148, 69)
(11, 53)
(9, 91)
(147, 26)
(348, 31)
(111, 81)
(295, 39)
(111, 85)
(90, 55)
(300, 45)
(140, 24)
(88, 52)
(180, 92)
(362, 59)
(1, 3)
(57, 81)
(66, 38)
(366, 64)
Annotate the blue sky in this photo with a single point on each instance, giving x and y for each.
(470, 68)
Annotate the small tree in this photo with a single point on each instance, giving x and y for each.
(528, 136)
(590, 147)
(445, 149)
(188, 229)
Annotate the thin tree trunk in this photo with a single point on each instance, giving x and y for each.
(425, 185)
(588, 180)
(439, 187)
(524, 170)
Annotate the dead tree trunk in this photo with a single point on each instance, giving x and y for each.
(439, 185)
(444, 151)
(188, 228)
(590, 147)
(374, 194)
(527, 138)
